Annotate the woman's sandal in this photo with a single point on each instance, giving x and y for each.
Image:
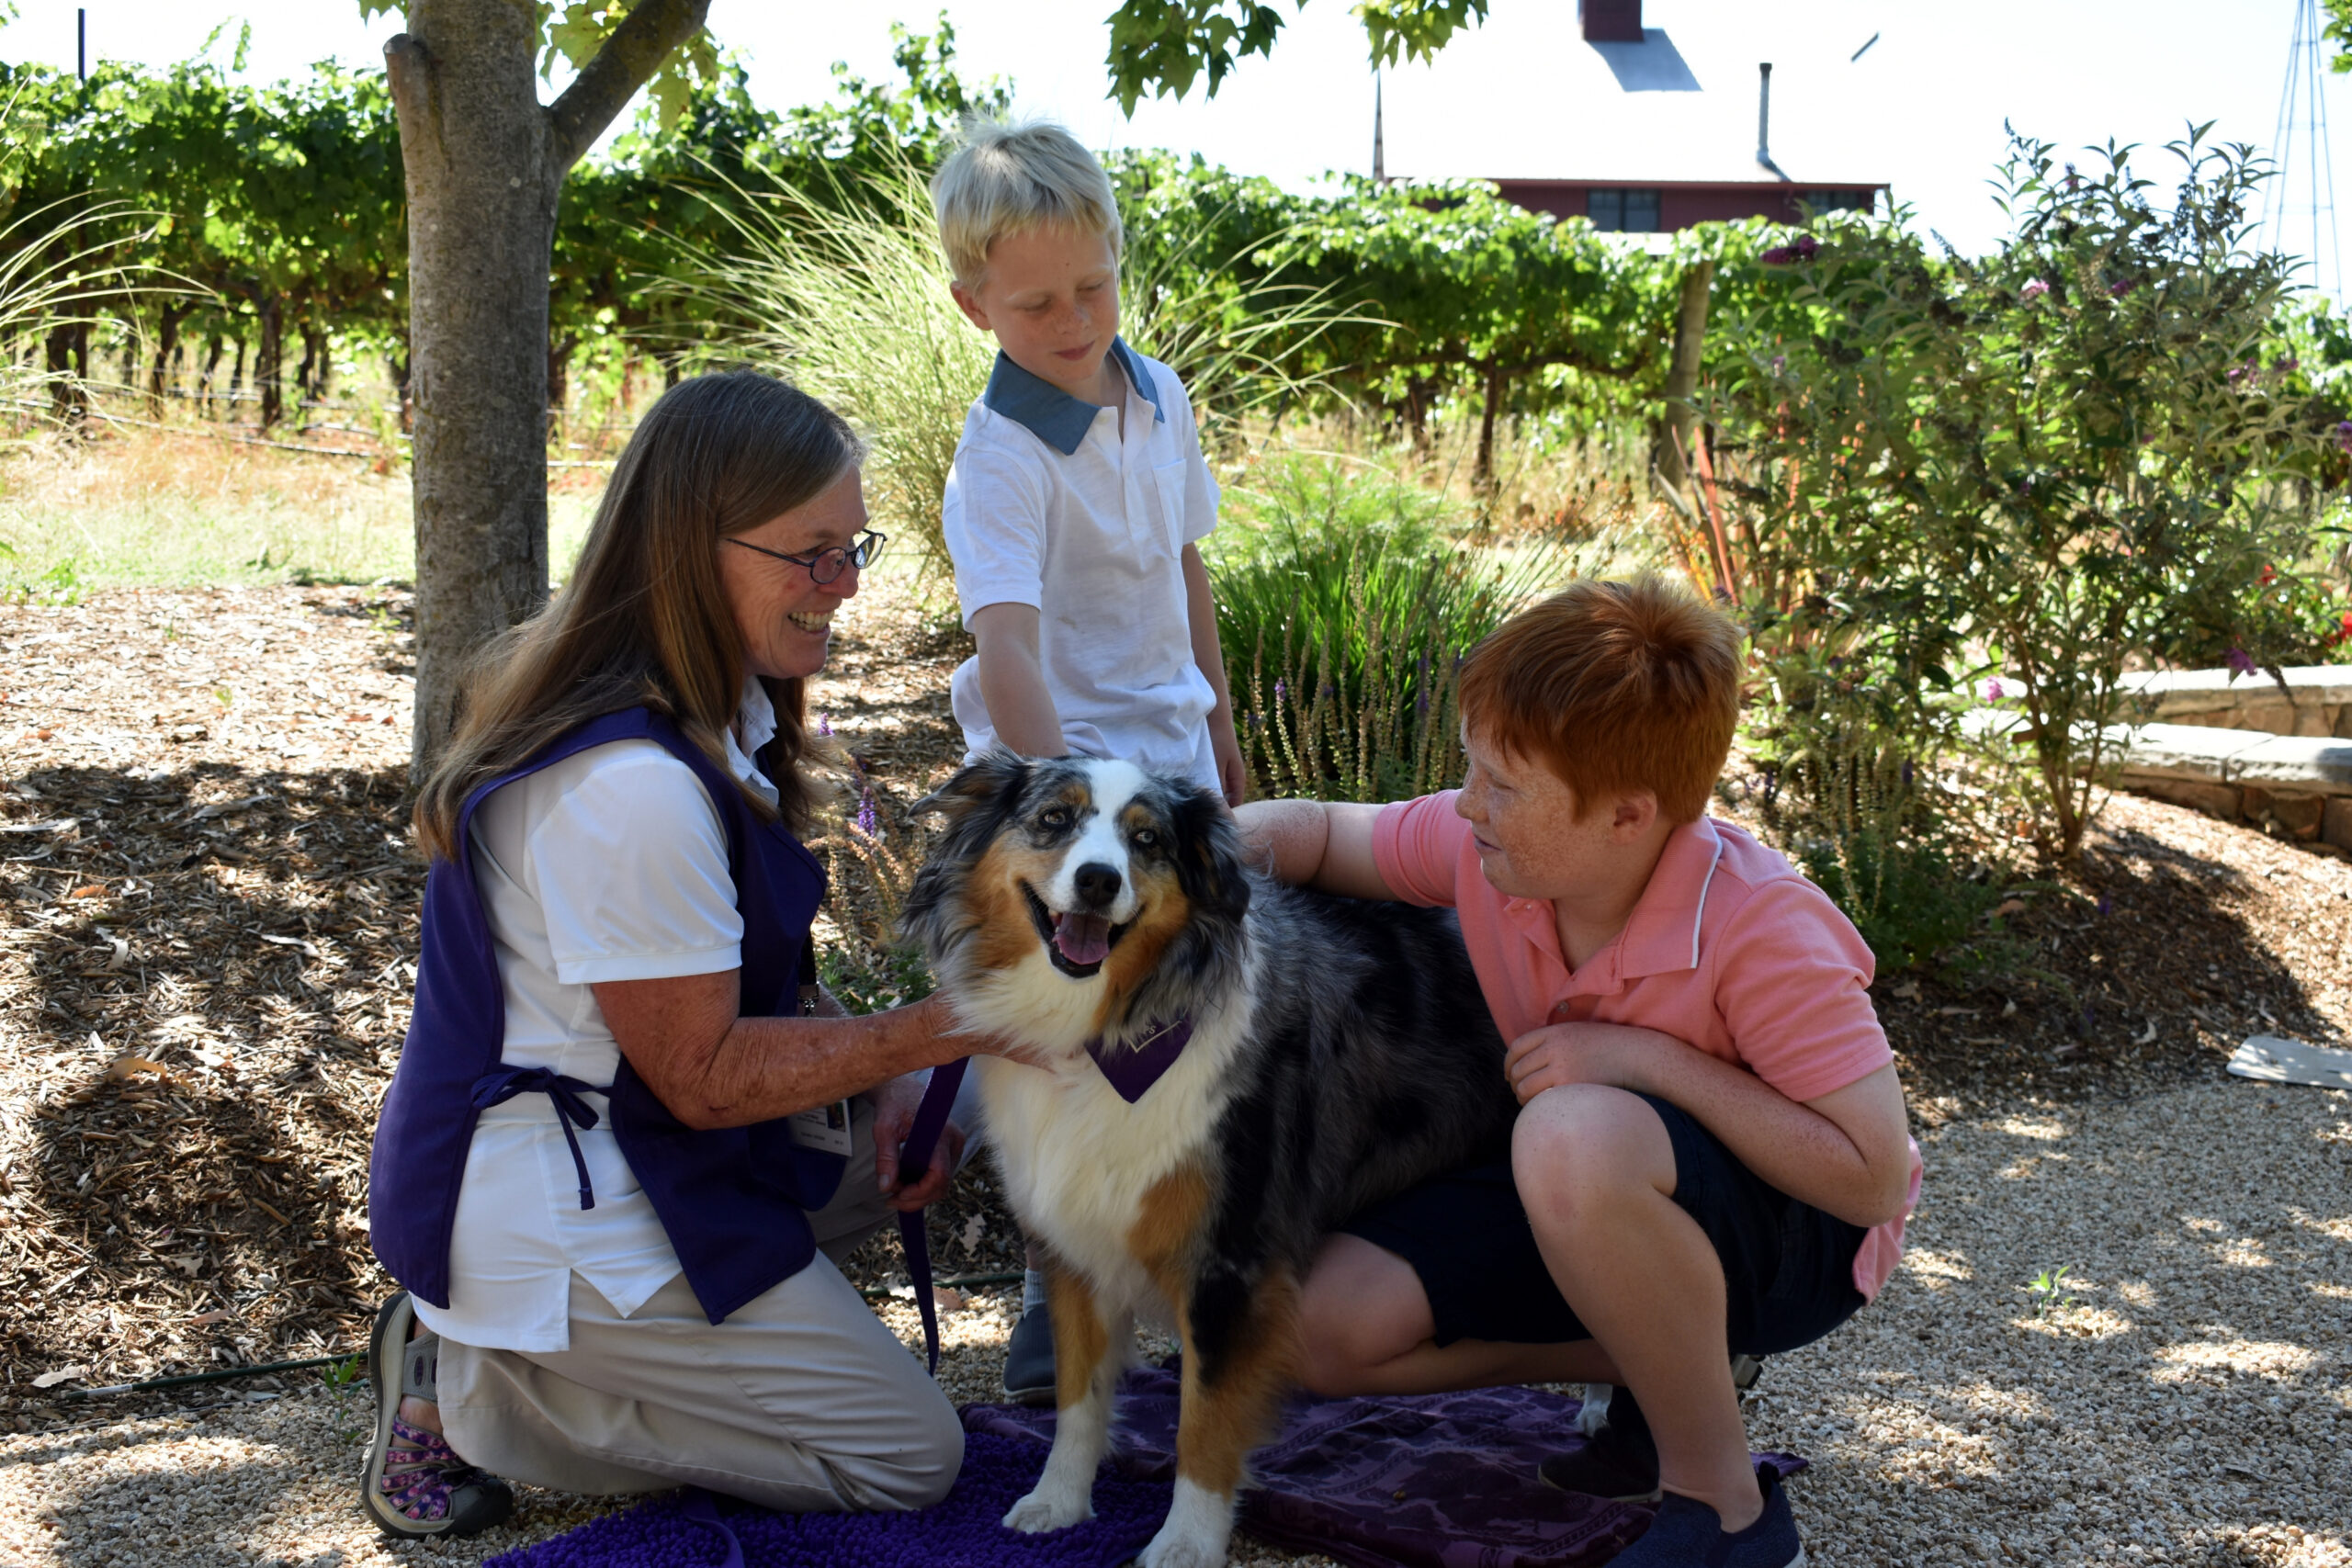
(414, 1484)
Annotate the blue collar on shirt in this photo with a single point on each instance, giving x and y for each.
(1052, 415)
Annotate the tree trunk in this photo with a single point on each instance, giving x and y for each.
(484, 162)
(269, 359)
(208, 402)
(1483, 472)
(165, 349)
(167, 345)
(237, 380)
(559, 353)
(305, 388)
(66, 355)
(1682, 376)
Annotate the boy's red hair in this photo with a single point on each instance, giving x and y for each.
(1616, 687)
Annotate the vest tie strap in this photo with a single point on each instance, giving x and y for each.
(505, 1082)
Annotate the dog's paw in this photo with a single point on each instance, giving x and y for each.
(1200, 1523)
(1048, 1508)
(1177, 1547)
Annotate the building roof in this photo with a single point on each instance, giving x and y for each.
(1680, 107)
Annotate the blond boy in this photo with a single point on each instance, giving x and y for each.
(1074, 511)
(1079, 494)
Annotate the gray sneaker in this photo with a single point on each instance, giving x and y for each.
(1029, 1359)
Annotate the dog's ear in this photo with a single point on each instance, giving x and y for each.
(994, 781)
(1209, 866)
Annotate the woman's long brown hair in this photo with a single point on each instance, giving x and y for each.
(645, 621)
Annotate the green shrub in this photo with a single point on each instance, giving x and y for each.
(1344, 608)
(2049, 463)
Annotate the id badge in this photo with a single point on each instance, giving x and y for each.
(824, 1128)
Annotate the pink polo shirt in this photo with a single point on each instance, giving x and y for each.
(1729, 949)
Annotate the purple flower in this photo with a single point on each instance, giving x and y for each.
(2344, 434)
(2035, 289)
(1777, 256)
(2072, 179)
(1282, 691)
(2106, 905)
(1993, 690)
(1780, 364)
(2287, 365)
(868, 822)
(2240, 661)
(2119, 288)
(824, 726)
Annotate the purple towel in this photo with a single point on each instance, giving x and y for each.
(1438, 1481)
(1444, 1480)
(960, 1532)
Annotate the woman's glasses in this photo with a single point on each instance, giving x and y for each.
(826, 565)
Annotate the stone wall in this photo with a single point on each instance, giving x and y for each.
(2316, 701)
(2238, 746)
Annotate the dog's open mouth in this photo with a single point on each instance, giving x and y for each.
(1076, 941)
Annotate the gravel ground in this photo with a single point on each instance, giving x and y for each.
(222, 928)
(2191, 1405)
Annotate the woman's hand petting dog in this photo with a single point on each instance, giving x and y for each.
(894, 1116)
(1616, 1055)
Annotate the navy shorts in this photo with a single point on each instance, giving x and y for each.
(1788, 1268)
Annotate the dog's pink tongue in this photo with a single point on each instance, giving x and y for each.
(1083, 939)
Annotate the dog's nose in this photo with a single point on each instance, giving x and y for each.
(1097, 884)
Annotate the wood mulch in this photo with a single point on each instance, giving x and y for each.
(208, 925)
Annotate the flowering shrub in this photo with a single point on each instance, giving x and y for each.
(2075, 453)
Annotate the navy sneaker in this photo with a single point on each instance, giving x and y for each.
(1689, 1534)
(1618, 1462)
(1029, 1359)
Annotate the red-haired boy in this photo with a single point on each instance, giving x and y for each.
(1711, 1158)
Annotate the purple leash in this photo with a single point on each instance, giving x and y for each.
(915, 1159)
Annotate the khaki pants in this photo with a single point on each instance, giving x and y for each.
(800, 1401)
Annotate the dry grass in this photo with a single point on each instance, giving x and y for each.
(183, 507)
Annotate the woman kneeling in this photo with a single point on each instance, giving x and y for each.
(630, 1137)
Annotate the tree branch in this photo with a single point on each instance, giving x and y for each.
(626, 63)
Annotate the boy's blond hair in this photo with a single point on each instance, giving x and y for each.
(1008, 179)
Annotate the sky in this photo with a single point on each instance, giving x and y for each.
(1922, 109)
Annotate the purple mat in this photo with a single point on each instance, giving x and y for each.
(1444, 1480)
(1438, 1481)
(960, 1532)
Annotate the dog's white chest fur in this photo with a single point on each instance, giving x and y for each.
(1078, 1160)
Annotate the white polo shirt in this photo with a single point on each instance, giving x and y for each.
(609, 865)
(1049, 505)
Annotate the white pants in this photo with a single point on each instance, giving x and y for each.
(800, 1401)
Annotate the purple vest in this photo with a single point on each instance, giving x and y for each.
(734, 1199)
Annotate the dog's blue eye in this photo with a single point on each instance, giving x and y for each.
(1146, 838)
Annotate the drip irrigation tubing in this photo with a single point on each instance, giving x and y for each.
(224, 1374)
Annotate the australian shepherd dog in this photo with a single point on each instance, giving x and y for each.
(1326, 1054)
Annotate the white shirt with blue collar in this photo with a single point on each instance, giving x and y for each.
(1051, 505)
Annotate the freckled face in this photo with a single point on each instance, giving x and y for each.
(783, 614)
(1051, 296)
(1524, 819)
